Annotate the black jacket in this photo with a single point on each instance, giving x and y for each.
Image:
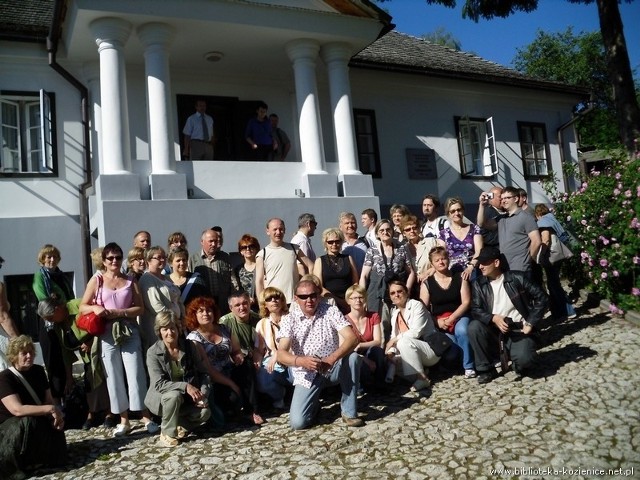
(528, 298)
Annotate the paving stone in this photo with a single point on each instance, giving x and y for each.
(581, 410)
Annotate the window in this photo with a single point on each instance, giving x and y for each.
(477, 147)
(367, 142)
(535, 150)
(27, 132)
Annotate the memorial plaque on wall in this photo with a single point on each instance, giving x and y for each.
(421, 164)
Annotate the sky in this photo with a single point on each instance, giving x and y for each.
(499, 38)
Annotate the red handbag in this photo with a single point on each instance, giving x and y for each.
(90, 322)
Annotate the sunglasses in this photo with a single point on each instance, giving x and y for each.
(334, 242)
(456, 210)
(113, 258)
(247, 247)
(273, 298)
(410, 229)
(307, 296)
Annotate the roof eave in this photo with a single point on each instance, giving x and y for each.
(493, 79)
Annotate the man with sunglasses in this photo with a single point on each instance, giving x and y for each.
(309, 342)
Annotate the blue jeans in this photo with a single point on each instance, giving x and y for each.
(461, 339)
(306, 401)
(273, 384)
(558, 301)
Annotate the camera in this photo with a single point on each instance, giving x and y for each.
(488, 195)
(512, 325)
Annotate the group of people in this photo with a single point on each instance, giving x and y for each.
(266, 140)
(192, 339)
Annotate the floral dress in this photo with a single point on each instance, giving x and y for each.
(460, 251)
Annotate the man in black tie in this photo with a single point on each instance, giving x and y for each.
(198, 134)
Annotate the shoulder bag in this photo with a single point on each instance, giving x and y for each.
(90, 322)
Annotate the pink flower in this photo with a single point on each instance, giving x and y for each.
(635, 291)
(636, 260)
(615, 310)
(604, 262)
(618, 175)
(616, 192)
(615, 273)
(603, 275)
(627, 193)
(634, 223)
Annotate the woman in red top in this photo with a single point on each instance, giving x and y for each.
(367, 327)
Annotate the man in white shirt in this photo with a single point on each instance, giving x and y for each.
(369, 219)
(198, 134)
(309, 341)
(306, 229)
(353, 245)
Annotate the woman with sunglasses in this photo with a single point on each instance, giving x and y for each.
(336, 271)
(116, 298)
(272, 378)
(384, 262)
(462, 240)
(248, 246)
(407, 349)
(418, 249)
(159, 295)
(136, 264)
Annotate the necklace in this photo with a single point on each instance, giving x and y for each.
(335, 262)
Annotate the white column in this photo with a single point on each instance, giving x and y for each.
(111, 35)
(156, 37)
(336, 56)
(303, 54)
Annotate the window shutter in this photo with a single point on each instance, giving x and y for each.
(45, 132)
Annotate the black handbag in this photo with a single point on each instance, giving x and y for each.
(438, 341)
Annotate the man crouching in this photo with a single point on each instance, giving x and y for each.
(309, 342)
(505, 305)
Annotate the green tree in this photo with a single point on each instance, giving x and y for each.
(618, 65)
(442, 37)
(576, 59)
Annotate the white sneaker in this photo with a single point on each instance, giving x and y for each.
(469, 373)
(121, 430)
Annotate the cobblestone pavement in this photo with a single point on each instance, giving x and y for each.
(579, 416)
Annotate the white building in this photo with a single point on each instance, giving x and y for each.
(95, 94)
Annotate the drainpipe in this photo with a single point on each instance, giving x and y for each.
(59, 12)
(578, 116)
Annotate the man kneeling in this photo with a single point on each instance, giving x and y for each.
(504, 303)
(309, 342)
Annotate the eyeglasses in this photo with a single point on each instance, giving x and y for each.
(356, 299)
(384, 230)
(138, 260)
(247, 247)
(456, 210)
(412, 228)
(273, 298)
(160, 259)
(113, 258)
(396, 292)
(334, 242)
(507, 198)
(307, 296)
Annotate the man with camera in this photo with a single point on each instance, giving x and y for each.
(489, 213)
(506, 308)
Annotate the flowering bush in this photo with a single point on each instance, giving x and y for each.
(604, 216)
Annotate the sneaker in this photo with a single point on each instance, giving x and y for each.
(152, 427)
(353, 422)
(181, 432)
(486, 377)
(420, 384)
(121, 430)
(572, 316)
(469, 373)
(167, 441)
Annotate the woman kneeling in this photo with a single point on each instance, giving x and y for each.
(179, 382)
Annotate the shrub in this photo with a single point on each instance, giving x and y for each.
(604, 216)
